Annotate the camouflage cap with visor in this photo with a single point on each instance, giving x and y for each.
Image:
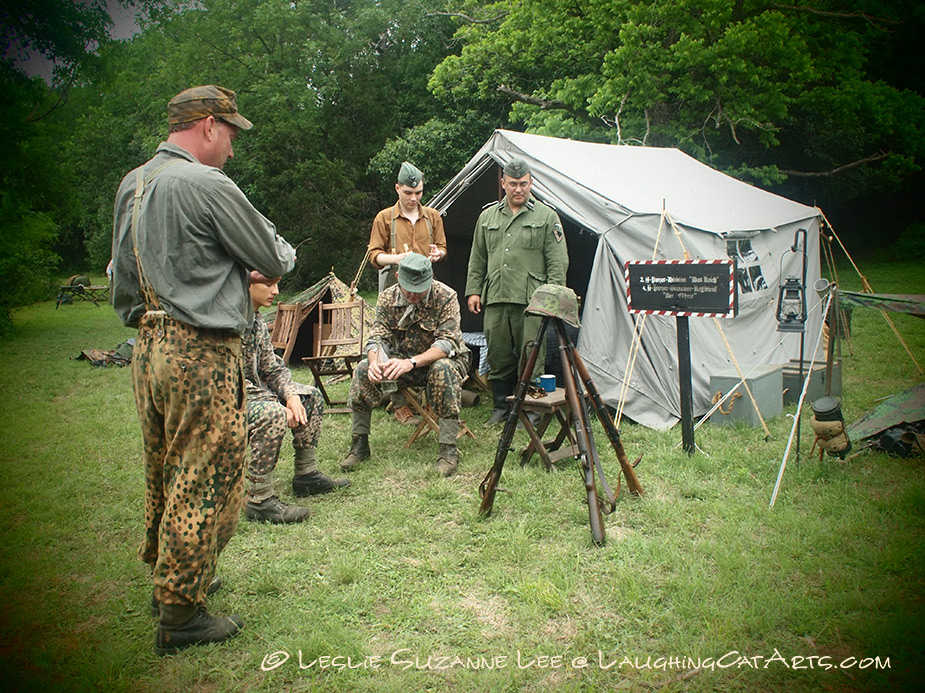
(197, 103)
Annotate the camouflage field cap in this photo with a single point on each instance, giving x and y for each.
(410, 175)
(197, 103)
(415, 273)
(516, 168)
(556, 302)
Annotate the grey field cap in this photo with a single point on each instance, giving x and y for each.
(516, 168)
(410, 175)
(415, 273)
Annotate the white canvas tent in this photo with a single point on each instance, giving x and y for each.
(616, 204)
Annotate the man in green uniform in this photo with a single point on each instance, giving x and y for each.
(415, 342)
(517, 246)
(184, 238)
(405, 227)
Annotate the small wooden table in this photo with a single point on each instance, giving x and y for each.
(553, 405)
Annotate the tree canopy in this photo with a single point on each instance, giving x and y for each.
(763, 90)
(817, 99)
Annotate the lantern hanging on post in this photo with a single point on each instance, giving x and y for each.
(791, 306)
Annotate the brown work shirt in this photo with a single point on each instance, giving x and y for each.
(417, 238)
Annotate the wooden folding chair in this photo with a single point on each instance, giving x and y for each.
(428, 420)
(286, 328)
(339, 342)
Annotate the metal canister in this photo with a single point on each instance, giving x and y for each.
(825, 411)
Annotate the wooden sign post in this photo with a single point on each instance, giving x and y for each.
(683, 288)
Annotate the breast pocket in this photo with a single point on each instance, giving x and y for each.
(492, 237)
(531, 236)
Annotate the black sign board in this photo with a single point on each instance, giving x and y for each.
(697, 288)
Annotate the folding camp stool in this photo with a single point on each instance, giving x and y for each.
(553, 405)
(428, 422)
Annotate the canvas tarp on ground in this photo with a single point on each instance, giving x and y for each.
(906, 407)
(611, 200)
(329, 289)
(911, 304)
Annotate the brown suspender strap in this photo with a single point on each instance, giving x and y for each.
(141, 182)
(430, 233)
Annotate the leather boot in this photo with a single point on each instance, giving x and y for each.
(274, 510)
(359, 451)
(315, 483)
(447, 459)
(500, 390)
(183, 625)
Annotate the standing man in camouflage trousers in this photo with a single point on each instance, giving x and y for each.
(416, 342)
(277, 404)
(184, 238)
(517, 246)
(405, 227)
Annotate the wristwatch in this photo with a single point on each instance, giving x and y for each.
(414, 363)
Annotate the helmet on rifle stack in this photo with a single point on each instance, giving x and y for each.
(556, 302)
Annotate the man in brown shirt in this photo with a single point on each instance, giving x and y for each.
(406, 227)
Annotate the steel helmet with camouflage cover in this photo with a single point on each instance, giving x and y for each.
(556, 302)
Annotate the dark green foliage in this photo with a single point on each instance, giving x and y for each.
(822, 103)
(766, 92)
(911, 244)
(35, 196)
(326, 85)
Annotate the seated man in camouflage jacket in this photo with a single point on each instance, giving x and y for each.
(416, 342)
(275, 404)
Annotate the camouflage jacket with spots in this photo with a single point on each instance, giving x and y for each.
(263, 369)
(408, 330)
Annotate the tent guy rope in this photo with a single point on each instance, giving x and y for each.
(796, 417)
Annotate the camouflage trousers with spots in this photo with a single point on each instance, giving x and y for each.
(442, 379)
(267, 424)
(189, 391)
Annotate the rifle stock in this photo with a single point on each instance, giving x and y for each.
(488, 487)
(632, 481)
(582, 427)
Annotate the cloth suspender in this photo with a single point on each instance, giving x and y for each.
(430, 233)
(141, 182)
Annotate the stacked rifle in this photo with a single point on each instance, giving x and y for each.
(579, 388)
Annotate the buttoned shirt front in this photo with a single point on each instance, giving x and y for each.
(198, 235)
(515, 252)
(408, 237)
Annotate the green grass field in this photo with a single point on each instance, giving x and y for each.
(395, 584)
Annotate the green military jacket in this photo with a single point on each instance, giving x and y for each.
(513, 254)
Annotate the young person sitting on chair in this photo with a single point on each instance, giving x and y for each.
(415, 342)
(275, 404)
